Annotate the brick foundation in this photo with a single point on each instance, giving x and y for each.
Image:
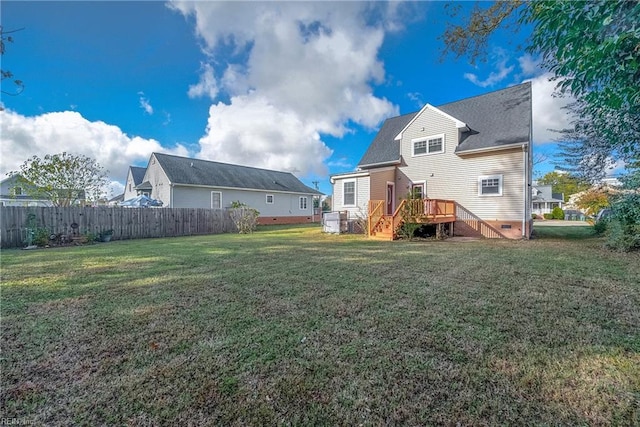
(269, 220)
(491, 229)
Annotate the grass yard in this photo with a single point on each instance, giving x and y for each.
(290, 326)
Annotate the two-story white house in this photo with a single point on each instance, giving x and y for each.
(467, 162)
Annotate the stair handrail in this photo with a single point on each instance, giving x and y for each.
(375, 209)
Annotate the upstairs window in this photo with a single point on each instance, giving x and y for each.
(349, 193)
(490, 185)
(429, 145)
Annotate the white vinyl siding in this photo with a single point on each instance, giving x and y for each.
(359, 208)
(216, 200)
(455, 177)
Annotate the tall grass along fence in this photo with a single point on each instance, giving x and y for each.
(127, 223)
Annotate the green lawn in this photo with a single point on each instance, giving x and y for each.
(290, 326)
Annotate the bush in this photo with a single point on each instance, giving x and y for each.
(601, 226)
(623, 231)
(557, 213)
(547, 216)
(244, 217)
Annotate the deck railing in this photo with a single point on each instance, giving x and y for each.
(376, 212)
(422, 210)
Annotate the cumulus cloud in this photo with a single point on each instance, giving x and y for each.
(549, 113)
(502, 70)
(275, 139)
(144, 104)
(207, 86)
(298, 69)
(529, 65)
(22, 137)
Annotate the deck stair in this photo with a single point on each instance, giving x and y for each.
(427, 211)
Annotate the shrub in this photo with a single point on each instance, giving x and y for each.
(244, 217)
(557, 213)
(623, 231)
(600, 226)
(547, 216)
(41, 236)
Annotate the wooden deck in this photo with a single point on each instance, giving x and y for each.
(421, 211)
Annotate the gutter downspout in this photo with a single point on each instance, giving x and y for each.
(525, 163)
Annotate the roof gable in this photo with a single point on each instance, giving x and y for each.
(459, 124)
(187, 171)
(495, 120)
(137, 173)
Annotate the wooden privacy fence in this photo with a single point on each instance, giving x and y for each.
(126, 223)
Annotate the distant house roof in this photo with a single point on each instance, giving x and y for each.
(137, 173)
(144, 186)
(544, 193)
(495, 120)
(118, 198)
(186, 171)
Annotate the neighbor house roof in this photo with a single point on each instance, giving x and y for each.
(186, 171)
(544, 193)
(495, 120)
(137, 173)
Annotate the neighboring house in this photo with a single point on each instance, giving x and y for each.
(468, 162)
(544, 199)
(181, 182)
(12, 193)
(135, 176)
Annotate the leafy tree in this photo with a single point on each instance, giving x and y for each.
(593, 50)
(64, 179)
(563, 182)
(593, 200)
(5, 37)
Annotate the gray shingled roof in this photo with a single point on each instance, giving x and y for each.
(495, 119)
(183, 170)
(138, 174)
(384, 148)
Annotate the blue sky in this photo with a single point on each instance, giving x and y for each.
(295, 86)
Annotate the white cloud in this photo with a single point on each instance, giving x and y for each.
(144, 104)
(502, 70)
(548, 111)
(274, 139)
(23, 137)
(299, 69)
(207, 86)
(529, 65)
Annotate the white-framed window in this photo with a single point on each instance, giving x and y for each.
(490, 185)
(269, 199)
(303, 203)
(433, 144)
(216, 200)
(349, 193)
(417, 190)
(17, 191)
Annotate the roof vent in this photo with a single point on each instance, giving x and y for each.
(191, 164)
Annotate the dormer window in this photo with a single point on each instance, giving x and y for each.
(433, 144)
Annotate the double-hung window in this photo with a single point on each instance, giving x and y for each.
(349, 193)
(303, 203)
(427, 145)
(269, 199)
(490, 185)
(216, 200)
